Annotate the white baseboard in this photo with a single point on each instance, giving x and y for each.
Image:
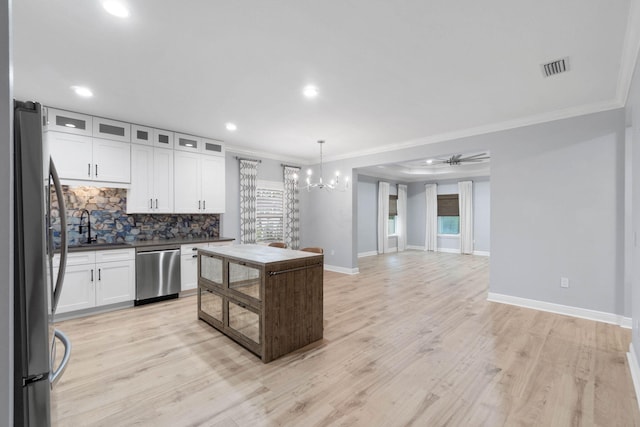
(583, 313)
(634, 367)
(343, 270)
(365, 254)
(626, 323)
(394, 249)
(452, 251)
(449, 251)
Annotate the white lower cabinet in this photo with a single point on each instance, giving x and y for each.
(97, 278)
(189, 263)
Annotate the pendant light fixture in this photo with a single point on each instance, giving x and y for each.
(335, 183)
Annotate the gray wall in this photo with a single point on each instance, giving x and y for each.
(330, 220)
(633, 110)
(367, 214)
(557, 207)
(6, 224)
(481, 213)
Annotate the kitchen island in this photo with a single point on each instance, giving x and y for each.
(267, 299)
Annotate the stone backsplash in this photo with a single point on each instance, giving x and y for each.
(110, 223)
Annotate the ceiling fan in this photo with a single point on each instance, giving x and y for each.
(457, 159)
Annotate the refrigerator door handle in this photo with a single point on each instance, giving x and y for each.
(64, 246)
(54, 377)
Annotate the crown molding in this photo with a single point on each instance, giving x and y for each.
(491, 128)
(244, 151)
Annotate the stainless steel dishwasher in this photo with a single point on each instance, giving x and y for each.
(157, 274)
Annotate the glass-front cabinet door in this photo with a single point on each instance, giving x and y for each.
(245, 321)
(245, 279)
(211, 269)
(211, 304)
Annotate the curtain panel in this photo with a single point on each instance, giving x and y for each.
(431, 226)
(291, 207)
(465, 200)
(248, 187)
(401, 227)
(383, 217)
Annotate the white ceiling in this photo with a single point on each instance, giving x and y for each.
(389, 73)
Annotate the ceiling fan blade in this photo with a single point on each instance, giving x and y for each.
(476, 159)
(472, 161)
(475, 155)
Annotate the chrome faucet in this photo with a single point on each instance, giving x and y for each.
(89, 239)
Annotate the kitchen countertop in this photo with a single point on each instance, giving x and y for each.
(148, 244)
(261, 254)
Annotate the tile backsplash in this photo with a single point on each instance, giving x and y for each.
(110, 223)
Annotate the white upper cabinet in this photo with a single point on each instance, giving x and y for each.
(72, 154)
(84, 158)
(151, 180)
(164, 172)
(213, 184)
(141, 135)
(162, 138)
(140, 195)
(111, 129)
(111, 161)
(212, 147)
(67, 122)
(187, 182)
(199, 183)
(187, 142)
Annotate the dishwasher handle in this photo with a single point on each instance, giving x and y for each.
(160, 251)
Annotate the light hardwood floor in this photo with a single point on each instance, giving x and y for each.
(411, 340)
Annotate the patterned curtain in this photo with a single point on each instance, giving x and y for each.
(248, 184)
(291, 207)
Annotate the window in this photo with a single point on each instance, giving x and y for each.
(393, 214)
(448, 214)
(269, 215)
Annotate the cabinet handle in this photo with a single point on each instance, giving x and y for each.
(199, 204)
(92, 274)
(99, 274)
(89, 170)
(96, 170)
(150, 203)
(194, 256)
(204, 204)
(194, 249)
(156, 203)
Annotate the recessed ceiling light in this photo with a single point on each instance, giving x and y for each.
(116, 8)
(310, 91)
(231, 126)
(82, 91)
(429, 161)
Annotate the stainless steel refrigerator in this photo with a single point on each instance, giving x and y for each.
(36, 291)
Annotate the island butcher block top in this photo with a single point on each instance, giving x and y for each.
(267, 299)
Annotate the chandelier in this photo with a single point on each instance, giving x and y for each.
(334, 184)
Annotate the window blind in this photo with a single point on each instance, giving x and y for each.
(269, 215)
(393, 205)
(448, 205)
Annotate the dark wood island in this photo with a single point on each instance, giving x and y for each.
(267, 299)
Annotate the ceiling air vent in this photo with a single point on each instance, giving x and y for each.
(555, 67)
